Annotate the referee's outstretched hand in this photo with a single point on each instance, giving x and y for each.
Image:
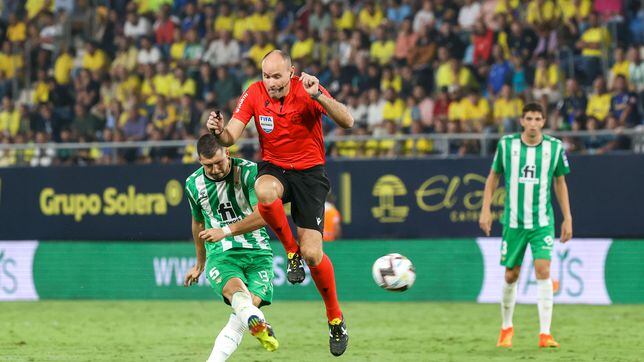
(311, 84)
(215, 123)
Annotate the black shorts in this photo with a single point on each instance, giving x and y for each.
(306, 190)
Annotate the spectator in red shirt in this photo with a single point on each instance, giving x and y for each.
(288, 115)
(482, 39)
(164, 29)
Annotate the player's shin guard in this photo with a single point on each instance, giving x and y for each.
(324, 278)
(275, 217)
(544, 303)
(508, 301)
(228, 339)
(242, 304)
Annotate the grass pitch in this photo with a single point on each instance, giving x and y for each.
(185, 331)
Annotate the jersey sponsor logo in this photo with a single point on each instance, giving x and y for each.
(528, 174)
(267, 124)
(565, 159)
(227, 212)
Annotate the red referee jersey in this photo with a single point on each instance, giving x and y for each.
(290, 129)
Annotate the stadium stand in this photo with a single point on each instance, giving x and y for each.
(111, 71)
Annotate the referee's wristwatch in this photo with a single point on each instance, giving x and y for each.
(317, 95)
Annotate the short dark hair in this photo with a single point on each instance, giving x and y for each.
(207, 145)
(533, 107)
(283, 54)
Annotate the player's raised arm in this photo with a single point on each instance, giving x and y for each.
(228, 134)
(336, 110)
(485, 219)
(561, 191)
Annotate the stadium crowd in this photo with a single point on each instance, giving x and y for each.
(99, 70)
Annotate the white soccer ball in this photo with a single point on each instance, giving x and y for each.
(394, 272)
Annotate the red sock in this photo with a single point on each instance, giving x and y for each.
(324, 279)
(275, 217)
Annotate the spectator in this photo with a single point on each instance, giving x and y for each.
(573, 106)
(223, 51)
(9, 118)
(226, 86)
(599, 101)
(85, 124)
(148, 54)
(405, 41)
(43, 155)
(592, 43)
(500, 72)
(469, 14)
(507, 111)
(424, 19)
(370, 17)
(621, 67)
(319, 20)
(623, 104)
(136, 27)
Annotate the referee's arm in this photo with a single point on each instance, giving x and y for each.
(336, 110)
(226, 135)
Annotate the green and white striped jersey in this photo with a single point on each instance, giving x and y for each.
(528, 172)
(220, 203)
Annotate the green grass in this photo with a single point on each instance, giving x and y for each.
(185, 331)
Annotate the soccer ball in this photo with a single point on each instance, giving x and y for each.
(394, 272)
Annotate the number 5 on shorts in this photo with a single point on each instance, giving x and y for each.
(214, 273)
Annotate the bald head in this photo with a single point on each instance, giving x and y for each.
(277, 71)
(277, 56)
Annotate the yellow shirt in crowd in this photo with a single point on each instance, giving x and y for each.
(595, 35)
(17, 32)
(473, 111)
(393, 111)
(10, 122)
(598, 106)
(95, 61)
(302, 49)
(63, 68)
(346, 21)
(224, 23)
(383, 51)
(257, 53)
(369, 21)
(508, 108)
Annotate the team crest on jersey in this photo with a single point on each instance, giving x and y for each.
(266, 122)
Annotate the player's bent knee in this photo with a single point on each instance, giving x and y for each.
(267, 190)
(256, 300)
(266, 194)
(542, 269)
(542, 273)
(511, 275)
(233, 286)
(311, 253)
